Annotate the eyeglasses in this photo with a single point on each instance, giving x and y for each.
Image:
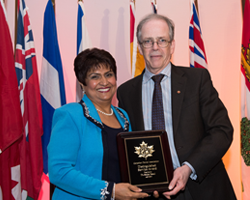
(149, 43)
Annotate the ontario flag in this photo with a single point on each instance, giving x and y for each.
(30, 102)
(10, 117)
(245, 103)
(51, 80)
(197, 50)
(83, 41)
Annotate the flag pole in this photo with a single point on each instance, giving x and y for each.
(54, 5)
(242, 6)
(16, 11)
(196, 5)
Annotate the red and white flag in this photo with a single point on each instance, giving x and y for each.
(30, 101)
(10, 117)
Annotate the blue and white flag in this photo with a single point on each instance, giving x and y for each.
(51, 81)
(197, 50)
(83, 41)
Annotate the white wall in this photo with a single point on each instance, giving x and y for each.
(108, 24)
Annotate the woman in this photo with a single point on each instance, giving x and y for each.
(83, 158)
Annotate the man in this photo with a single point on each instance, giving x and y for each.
(196, 121)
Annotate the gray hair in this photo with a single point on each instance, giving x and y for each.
(149, 17)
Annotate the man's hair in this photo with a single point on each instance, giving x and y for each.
(149, 17)
(91, 59)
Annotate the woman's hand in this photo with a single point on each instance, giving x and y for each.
(126, 191)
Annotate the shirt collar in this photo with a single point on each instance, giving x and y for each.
(148, 75)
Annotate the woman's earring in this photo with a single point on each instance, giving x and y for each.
(81, 87)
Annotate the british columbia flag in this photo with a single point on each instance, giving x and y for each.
(197, 50)
(30, 102)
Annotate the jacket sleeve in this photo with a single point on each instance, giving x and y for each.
(218, 131)
(62, 153)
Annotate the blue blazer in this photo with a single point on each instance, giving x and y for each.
(75, 151)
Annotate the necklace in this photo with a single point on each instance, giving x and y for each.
(108, 114)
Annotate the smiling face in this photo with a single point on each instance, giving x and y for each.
(100, 85)
(156, 58)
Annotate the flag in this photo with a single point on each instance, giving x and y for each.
(10, 113)
(10, 117)
(51, 80)
(30, 102)
(83, 41)
(132, 28)
(245, 102)
(4, 11)
(137, 60)
(154, 6)
(197, 50)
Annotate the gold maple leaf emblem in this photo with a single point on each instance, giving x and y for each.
(144, 150)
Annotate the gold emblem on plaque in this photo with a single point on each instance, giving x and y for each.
(144, 150)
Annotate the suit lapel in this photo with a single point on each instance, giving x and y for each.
(178, 83)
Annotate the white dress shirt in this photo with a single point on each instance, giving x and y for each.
(147, 96)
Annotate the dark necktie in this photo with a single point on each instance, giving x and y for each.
(157, 105)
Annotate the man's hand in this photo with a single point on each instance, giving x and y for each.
(179, 181)
(126, 191)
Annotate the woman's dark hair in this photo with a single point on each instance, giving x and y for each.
(90, 59)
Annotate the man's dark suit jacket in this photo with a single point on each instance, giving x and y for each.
(201, 128)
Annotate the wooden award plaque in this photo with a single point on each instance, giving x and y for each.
(145, 159)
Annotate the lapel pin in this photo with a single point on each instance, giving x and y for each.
(178, 92)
